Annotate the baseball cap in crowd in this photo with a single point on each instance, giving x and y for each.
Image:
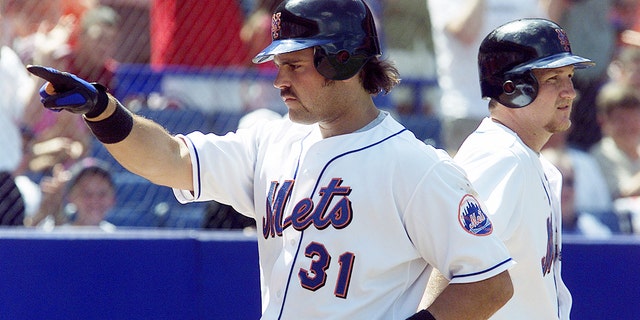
(89, 166)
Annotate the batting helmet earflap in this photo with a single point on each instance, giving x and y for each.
(342, 32)
(509, 53)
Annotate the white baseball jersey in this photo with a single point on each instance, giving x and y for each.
(15, 90)
(521, 190)
(349, 227)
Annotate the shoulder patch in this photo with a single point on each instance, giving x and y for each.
(471, 217)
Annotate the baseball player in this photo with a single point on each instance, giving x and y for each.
(353, 212)
(526, 68)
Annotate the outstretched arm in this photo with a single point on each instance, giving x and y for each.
(140, 145)
(150, 151)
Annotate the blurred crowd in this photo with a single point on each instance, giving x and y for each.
(433, 40)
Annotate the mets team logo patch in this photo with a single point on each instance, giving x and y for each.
(472, 218)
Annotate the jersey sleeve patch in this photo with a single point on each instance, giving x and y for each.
(471, 217)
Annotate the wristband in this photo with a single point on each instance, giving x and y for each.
(422, 315)
(101, 102)
(115, 127)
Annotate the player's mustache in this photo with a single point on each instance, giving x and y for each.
(287, 93)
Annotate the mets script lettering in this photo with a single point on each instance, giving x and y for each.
(333, 208)
(547, 260)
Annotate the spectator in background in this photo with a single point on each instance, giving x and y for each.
(589, 24)
(49, 211)
(36, 29)
(81, 196)
(458, 27)
(589, 186)
(61, 137)
(76, 9)
(618, 152)
(574, 220)
(43, 155)
(34, 156)
(256, 30)
(29, 189)
(16, 87)
(90, 194)
(625, 67)
(407, 37)
(256, 35)
(91, 56)
(40, 32)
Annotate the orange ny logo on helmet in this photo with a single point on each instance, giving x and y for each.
(275, 26)
(564, 40)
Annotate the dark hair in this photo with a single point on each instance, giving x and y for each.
(379, 76)
(616, 96)
(493, 103)
(89, 166)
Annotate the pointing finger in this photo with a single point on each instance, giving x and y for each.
(59, 80)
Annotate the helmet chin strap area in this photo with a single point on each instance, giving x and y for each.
(339, 66)
(519, 90)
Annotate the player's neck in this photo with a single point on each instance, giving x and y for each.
(530, 135)
(352, 121)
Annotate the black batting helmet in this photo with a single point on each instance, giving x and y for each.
(342, 31)
(509, 53)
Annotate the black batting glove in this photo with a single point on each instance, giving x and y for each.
(65, 91)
